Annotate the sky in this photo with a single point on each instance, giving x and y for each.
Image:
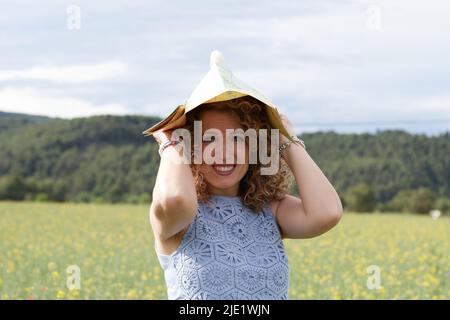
(348, 66)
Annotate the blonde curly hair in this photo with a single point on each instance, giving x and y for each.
(254, 189)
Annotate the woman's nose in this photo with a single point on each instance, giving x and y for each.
(226, 151)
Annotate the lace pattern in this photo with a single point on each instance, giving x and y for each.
(228, 252)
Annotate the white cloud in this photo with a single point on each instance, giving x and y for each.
(74, 74)
(317, 61)
(32, 101)
(437, 104)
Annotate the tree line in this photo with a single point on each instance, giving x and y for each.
(107, 159)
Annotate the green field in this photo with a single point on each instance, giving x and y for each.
(113, 246)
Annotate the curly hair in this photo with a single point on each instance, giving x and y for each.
(254, 189)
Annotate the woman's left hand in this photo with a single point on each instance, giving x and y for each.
(288, 126)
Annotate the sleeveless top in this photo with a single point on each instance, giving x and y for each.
(229, 252)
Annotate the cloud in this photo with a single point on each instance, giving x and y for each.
(437, 104)
(74, 74)
(318, 61)
(32, 101)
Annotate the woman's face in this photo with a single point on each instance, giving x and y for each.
(223, 179)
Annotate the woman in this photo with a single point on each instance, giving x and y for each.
(219, 227)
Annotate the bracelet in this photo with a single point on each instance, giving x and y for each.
(289, 142)
(166, 144)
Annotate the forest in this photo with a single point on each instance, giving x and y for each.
(107, 159)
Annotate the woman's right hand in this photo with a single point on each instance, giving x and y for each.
(174, 200)
(162, 136)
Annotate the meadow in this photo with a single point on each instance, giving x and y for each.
(113, 247)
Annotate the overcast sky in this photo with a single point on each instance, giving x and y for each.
(348, 66)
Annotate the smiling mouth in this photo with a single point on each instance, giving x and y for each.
(224, 169)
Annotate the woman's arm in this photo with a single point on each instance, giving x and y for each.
(174, 202)
(319, 208)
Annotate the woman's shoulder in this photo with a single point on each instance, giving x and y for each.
(273, 204)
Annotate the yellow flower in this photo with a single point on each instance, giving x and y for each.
(150, 295)
(74, 293)
(51, 266)
(60, 294)
(332, 266)
(10, 267)
(132, 294)
(56, 276)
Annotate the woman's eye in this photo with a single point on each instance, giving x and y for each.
(209, 139)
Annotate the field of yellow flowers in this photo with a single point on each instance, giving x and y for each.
(112, 246)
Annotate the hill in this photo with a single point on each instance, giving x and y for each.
(106, 158)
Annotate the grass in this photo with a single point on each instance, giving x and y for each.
(113, 246)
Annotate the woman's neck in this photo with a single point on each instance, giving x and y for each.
(229, 192)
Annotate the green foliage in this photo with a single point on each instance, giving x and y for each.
(114, 247)
(107, 159)
(14, 120)
(360, 198)
(388, 162)
(443, 204)
(96, 159)
(41, 197)
(12, 187)
(418, 201)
